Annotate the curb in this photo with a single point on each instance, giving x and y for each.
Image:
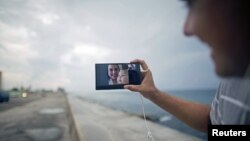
(74, 128)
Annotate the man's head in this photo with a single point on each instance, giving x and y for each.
(224, 26)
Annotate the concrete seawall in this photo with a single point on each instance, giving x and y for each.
(74, 129)
(93, 122)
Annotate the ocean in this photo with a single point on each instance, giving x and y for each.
(130, 102)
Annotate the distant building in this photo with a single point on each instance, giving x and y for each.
(0, 80)
(61, 90)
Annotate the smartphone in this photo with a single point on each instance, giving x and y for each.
(116, 75)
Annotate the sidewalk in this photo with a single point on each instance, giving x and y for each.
(45, 119)
(97, 123)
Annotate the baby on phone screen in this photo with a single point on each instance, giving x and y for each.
(123, 74)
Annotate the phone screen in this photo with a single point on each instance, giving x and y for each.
(116, 75)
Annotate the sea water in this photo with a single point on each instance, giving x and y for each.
(130, 102)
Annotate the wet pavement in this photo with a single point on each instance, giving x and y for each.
(37, 119)
(19, 101)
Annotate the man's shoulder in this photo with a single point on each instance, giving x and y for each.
(235, 88)
(232, 94)
(234, 83)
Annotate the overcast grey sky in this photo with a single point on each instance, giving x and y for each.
(51, 43)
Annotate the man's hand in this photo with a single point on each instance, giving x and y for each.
(147, 87)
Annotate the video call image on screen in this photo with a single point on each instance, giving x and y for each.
(115, 76)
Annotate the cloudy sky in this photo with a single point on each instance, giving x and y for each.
(51, 43)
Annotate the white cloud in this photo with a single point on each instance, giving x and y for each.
(91, 50)
(83, 53)
(16, 44)
(48, 18)
(51, 43)
(20, 33)
(51, 80)
(88, 28)
(184, 59)
(13, 79)
(21, 52)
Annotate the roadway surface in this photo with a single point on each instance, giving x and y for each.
(36, 118)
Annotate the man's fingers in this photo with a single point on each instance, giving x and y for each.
(134, 88)
(143, 74)
(135, 61)
(142, 62)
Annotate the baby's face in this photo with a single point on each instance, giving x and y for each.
(122, 77)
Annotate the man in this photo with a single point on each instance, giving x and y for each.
(223, 24)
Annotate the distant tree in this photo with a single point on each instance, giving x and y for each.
(14, 89)
(61, 90)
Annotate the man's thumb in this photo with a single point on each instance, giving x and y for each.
(134, 88)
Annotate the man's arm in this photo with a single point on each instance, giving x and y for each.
(194, 114)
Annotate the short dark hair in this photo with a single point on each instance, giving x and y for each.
(240, 15)
(189, 3)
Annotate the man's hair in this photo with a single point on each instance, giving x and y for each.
(240, 17)
(242, 12)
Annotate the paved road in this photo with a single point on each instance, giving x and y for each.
(40, 119)
(18, 101)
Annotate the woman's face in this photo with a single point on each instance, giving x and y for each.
(113, 71)
(122, 77)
